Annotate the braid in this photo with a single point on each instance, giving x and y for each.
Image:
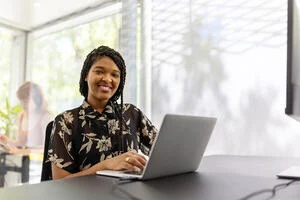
(121, 124)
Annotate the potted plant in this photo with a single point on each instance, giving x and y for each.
(8, 119)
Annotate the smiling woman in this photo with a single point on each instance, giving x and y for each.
(101, 133)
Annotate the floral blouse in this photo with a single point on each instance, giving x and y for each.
(83, 137)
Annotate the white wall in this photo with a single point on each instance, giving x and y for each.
(43, 11)
(15, 13)
(26, 14)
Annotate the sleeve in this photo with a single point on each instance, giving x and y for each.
(60, 145)
(147, 133)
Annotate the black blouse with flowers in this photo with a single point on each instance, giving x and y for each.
(83, 137)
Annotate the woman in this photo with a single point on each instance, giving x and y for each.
(32, 121)
(100, 134)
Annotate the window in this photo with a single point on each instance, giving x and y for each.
(6, 41)
(225, 59)
(10, 56)
(11, 68)
(58, 58)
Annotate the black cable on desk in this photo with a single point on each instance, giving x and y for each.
(272, 191)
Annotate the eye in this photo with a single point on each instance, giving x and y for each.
(98, 72)
(116, 75)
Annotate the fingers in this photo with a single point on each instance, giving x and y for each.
(130, 161)
(138, 156)
(135, 160)
(128, 166)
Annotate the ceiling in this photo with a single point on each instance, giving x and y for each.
(27, 14)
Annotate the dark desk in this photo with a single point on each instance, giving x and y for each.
(219, 178)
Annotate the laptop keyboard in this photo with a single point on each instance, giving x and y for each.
(134, 172)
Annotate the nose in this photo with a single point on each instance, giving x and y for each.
(106, 78)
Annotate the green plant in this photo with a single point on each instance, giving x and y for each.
(8, 118)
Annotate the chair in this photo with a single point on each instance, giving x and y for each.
(46, 167)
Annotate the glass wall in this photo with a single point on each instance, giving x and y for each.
(225, 59)
(11, 70)
(6, 42)
(11, 75)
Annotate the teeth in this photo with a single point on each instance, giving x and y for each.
(106, 88)
(103, 86)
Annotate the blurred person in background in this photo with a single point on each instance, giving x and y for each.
(32, 121)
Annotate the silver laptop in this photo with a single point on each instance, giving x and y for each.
(177, 149)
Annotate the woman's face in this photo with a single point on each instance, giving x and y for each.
(103, 80)
(29, 104)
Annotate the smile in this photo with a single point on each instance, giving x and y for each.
(105, 88)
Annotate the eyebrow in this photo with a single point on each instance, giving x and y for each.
(101, 67)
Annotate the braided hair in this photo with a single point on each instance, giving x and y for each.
(91, 58)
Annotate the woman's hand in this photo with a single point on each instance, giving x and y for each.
(3, 139)
(127, 161)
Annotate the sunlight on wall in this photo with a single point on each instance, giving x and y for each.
(225, 59)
